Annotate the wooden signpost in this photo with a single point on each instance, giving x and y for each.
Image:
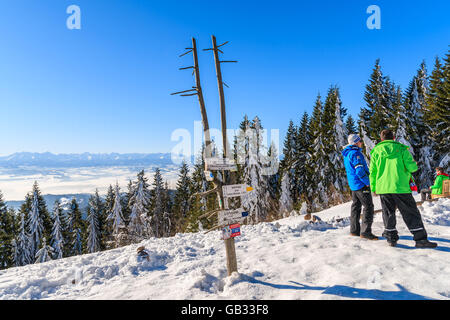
(214, 166)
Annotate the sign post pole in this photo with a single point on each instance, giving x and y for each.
(224, 166)
(229, 243)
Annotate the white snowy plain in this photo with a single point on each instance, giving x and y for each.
(286, 259)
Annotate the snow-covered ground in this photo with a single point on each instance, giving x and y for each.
(286, 259)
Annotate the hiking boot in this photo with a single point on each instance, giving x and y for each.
(369, 236)
(425, 244)
(354, 234)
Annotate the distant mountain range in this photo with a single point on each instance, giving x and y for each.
(52, 160)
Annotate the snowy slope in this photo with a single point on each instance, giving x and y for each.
(286, 259)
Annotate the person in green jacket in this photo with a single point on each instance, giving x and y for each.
(437, 187)
(391, 166)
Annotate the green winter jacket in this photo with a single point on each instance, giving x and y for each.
(437, 187)
(391, 166)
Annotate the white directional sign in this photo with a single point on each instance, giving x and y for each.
(219, 164)
(231, 216)
(236, 190)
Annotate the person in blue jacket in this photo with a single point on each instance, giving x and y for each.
(358, 180)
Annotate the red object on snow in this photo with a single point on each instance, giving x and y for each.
(412, 185)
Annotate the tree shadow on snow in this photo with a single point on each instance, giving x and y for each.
(346, 291)
(273, 285)
(358, 293)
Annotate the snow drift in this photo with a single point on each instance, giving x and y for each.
(286, 259)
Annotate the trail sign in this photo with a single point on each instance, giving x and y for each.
(213, 164)
(236, 190)
(219, 164)
(231, 216)
(231, 231)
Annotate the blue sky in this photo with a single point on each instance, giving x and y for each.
(106, 87)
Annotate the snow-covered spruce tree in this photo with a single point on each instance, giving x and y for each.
(7, 231)
(379, 112)
(15, 257)
(198, 204)
(257, 202)
(77, 244)
(272, 169)
(368, 143)
(157, 204)
(401, 134)
(139, 223)
(333, 172)
(107, 225)
(115, 217)
(126, 201)
(390, 103)
(94, 215)
(167, 198)
(92, 243)
(302, 158)
(444, 114)
(109, 200)
(288, 193)
(289, 188)
(45, 253)
(77, 229)
(97, 205)
(436, 80)
(22, 254)
(350, 125)
(374, 98)
(57, 238)
(241, 148)
(286, 204)
(290, 146)
(37, 218)
(168, 213)
(414, 101)
(181, 200)
(35, 225)
(417, 132)
(167, 224)
(437, 113)
(317, 195)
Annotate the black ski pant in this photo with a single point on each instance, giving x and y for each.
(361, 198)
(406, 204)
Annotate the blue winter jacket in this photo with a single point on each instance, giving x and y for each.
(356, 167)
